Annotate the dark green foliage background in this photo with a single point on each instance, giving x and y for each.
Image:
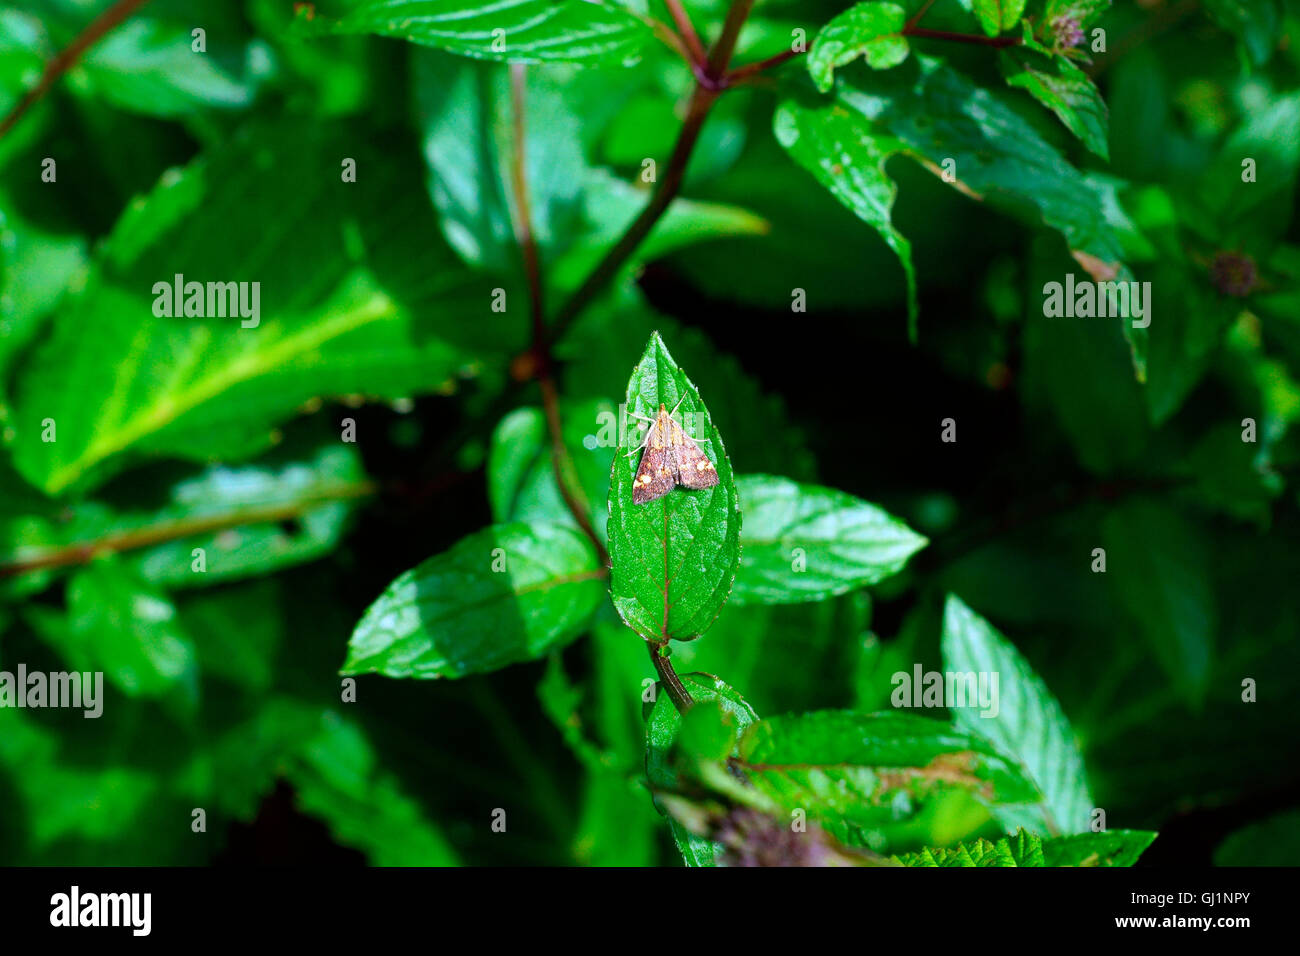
(224, 691)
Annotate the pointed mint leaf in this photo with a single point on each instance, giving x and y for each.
(1110, 848)
(995, 16)
(848, 158)
(509, 593)
(807, 543)
(873, 31)
(855, 772)
(1065, 90)
(1025, 723)
(673, 560)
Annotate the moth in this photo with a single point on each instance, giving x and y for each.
(671, 458)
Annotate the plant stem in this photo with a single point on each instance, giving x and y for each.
(560, 463)
(707, 88)
(975, 38)
(916, 17)
(687, 30)
(665, 192)
(677, 691)
(83, 552)
(720, 55)
(69, 55)
(742, 73)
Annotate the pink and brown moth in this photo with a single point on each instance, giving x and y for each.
(671, 458)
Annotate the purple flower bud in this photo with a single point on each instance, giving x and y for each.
(1068, 31)
(752, 838)
(1234, 274)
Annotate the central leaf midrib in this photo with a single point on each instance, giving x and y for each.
(246, 367)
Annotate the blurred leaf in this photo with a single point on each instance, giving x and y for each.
(151, 67)
(610, 205)
(965, 134)
(1026, 723)
(1064, 89)
(35, 269)
(1077, 372)
(521, 474)
(115, 376)
(1254, 210)
(148, 64)
(246, 520)
(118, 624)
(237, 633)
(849, 160)
(509, 593)
(788, 657)
(529, 31)
(807, 543)
(673, 560)
(1158, 565)
(1270, 842)
(1256, 23)
(662, 729)
(996, 16)
(873, 31)
(464, 111)
(338, 778)
(63, 800)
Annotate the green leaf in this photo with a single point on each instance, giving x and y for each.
(1257, 23)
(1111, 848)
(873, 31)
(663, 727)
(465, 116)
(63, 799)
(246, 520)
(1025, 722)
(996, 16)
(756, 422)
(1158, 565)
(526, 31)
(508, 593)
(1081, 11)
(1274, 841)
(1254, 212)
(1077, 377)
(610, 205)
(237, 633)
(807, 543)
(521, 473)
(338, 778)
(995, 154)
(846, 157)
(867, 770)
(118, 624)
(1064, 89)
(673, 560)
(35, 270)
(355, 296)
(150, 67)
(1020, 849)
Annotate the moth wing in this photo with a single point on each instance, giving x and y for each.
(657, 474)
(693, 467)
